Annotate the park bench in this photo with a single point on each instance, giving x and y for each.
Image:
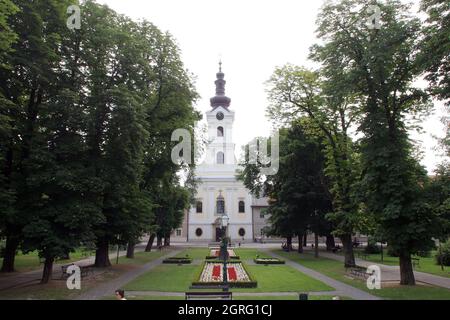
(415, 262)
(84, 270)
(359, 271)
(336, 249)
(356, 244)
(209, 295)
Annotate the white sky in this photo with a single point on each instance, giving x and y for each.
(252, 37)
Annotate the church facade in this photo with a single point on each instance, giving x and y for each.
(219, 193)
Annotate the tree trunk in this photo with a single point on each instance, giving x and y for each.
(48, 270)
(158, 241)
(167, 240)
(347, 243)
(130, 250)
(330, 242)
(316, 244)
(149, 246)
(300, 243)
(9, 254)
(406, 270)
(305, 239)
(289, 243)
(102, 254)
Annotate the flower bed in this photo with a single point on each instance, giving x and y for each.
(268, 261)
(216, 253)
(212, 274)
(176, 260)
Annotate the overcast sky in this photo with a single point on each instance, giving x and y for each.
(251, 37)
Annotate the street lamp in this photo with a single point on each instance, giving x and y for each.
(224, 219)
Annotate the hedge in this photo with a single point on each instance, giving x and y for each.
(178, 260)
(268, 261)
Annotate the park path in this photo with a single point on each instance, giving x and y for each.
(108, 288)
(19, 279)
(392, 273)
(342, 289)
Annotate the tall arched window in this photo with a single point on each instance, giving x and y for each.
(220, 157)
(220, 204)
(199, 207)
(220, 131)
(241, 206)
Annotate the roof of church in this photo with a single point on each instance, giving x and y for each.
(220, 99)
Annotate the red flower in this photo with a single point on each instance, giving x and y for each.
(232, 276)
(216, 272)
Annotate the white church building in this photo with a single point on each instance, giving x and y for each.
(219, 192)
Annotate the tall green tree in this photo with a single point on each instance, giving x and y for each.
(435, 47)
(27, 83)
(298, 195)
(382, 63)
(323, 98)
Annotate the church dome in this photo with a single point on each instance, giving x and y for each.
(220, 99)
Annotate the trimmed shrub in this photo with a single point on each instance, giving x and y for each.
(268, 261)
(229, 258)
(176, 260)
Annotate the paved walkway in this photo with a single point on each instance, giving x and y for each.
(342, 289)
(108, 288)
(392, 273)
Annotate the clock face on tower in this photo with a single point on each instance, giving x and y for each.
(219, 116)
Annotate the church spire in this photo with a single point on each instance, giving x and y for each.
(220, 99)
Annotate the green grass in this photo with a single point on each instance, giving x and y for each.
(282, 278)
(426, 264)
(169, 278)
(30, 261)
(250, 254)
(272, 278)
(195, 253)
(336, 270)
(57, 290)
(140, 258)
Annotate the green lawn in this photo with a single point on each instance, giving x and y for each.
(166, 277)
(336, 270)
(195, 253)
(30, 261)
(249, 254)
(272, 278)
(57, 290)
(140, 258)
(426, 264)
(282, 278)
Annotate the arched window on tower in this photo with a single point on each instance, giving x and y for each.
(220, 158)
(199, 207)
(241, 207)
(220, 131)
(220, 204)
